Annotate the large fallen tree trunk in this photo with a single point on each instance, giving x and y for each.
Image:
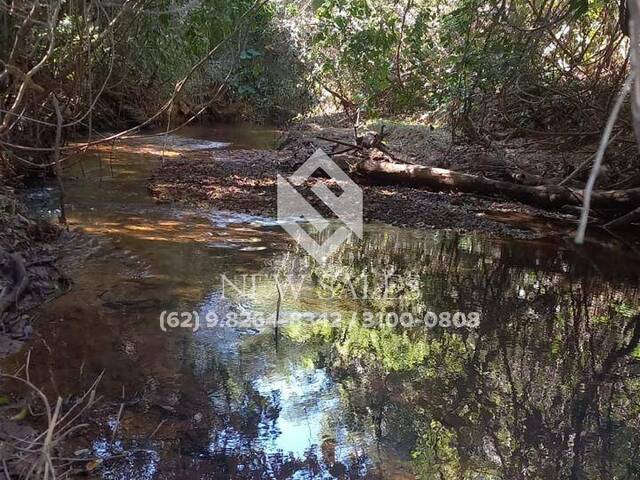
(546, 196)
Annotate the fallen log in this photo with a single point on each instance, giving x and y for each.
(545, 196)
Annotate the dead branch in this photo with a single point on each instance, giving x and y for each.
(34, 456)
(597, 162)
(347, 104)
(624, 220)
(56, 158)
(364, 144)
(340, 142)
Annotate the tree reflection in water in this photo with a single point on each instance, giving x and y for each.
(546, 387)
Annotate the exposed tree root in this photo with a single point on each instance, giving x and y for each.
(13, 268)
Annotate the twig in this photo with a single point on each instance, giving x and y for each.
(604, 141)
(339, 142)
(115, 428)
(56, 159)
(277, 321)
(157, 428)
(48, 443)
(580, 167)
(356, 124)
(624, 219)
(35, 456)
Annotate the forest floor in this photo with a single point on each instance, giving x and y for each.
(245, 180)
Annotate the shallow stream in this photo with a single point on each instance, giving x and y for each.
(544, 385)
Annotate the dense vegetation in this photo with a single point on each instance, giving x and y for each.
(479, 64)
(128, 63)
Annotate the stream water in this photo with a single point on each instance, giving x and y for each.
(545, 385)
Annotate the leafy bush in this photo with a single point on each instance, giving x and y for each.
(519, 63)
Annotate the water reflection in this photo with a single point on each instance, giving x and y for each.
(547, 386)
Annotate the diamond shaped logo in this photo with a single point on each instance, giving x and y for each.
(347, 206)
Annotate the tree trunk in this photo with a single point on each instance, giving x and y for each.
(546, 196)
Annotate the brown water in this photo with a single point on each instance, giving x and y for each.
(546, 386)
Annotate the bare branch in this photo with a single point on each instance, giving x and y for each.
(597, 163)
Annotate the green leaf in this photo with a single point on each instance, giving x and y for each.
(579, 7)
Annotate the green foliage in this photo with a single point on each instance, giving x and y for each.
(259, 68)
(476, 56)
(354, 46)
(626, 309)
(436, 455)
(520, 63)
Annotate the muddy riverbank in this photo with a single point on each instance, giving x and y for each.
(245, 180)
(30, 250)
